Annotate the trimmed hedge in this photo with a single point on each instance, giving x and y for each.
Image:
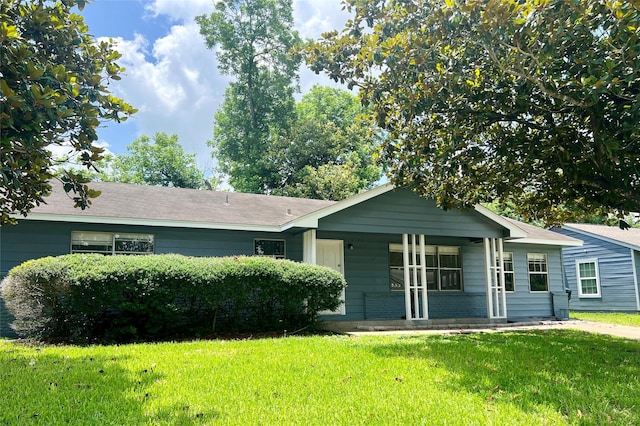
(95, 298)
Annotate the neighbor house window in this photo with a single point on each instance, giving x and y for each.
(111, 243)
(588, 280)
(271, 248)
(509, 275)
(538, 272)
(442, 263)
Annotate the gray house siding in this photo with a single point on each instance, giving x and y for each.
(636, 258)
(615, 269)
(524, 303)
(31, 240)
(401, 211)
(34, 239)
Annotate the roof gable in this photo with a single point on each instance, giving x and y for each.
(402, 211)
(311, 220)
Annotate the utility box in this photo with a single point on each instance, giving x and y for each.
(560, 304)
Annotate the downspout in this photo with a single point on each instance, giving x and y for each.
(565, 287)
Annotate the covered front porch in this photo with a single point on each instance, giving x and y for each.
(409, 275)
(405, 259)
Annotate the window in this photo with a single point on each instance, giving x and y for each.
(271, 248)
(396, 269)
(588, 280)
(509, 275)
(111, 243)
(443, 265)
(538, 276)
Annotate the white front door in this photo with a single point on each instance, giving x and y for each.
(331, 253)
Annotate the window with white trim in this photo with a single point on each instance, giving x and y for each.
(509, 273)
(588, 278)
(111, 243)
(443, 265)
(538, 272)
(270, 248)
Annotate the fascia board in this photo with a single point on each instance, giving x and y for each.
(514, 231)
(564, 243)
(147, 222)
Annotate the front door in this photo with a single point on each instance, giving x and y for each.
(331, 253)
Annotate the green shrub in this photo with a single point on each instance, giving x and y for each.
(91, 297)
(34, 292)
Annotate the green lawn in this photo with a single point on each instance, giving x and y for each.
(549, 377)
(612, 318)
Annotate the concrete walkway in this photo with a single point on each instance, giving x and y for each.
(588, 326)
(626, 331)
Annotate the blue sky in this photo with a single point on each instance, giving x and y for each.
(171, 77)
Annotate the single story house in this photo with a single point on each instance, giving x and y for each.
(402, 257)
(604, 273)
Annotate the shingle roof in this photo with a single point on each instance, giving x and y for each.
(178, 205)
(629, 237)
(537, 235)
(162, 206)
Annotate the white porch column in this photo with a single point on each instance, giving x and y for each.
(413, 262)
(489, 265)
(309, 247)
(415, 286)
(501, 281)
(423, 278)
(407, 276)
(496, 291)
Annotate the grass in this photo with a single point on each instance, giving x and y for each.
(552, 377)
(632, 319)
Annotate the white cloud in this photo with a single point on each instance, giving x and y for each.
(175, 86)
(65, 155)
(180, 10)
(174, 81)
(312, 17)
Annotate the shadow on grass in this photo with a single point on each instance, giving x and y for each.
(38, 387)
(589, 379)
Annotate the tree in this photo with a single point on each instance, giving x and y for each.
(330, 153)
(535, 103)
(162, 162)
(253, 39)
(53, 91)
